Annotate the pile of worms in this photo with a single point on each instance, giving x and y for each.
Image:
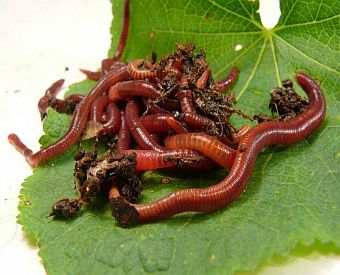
(167, 114)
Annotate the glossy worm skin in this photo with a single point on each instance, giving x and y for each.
(79, 121)
(113, 123)
(225, 84)
(162, 123)
(50, 94)
(97, 108)
(128, 89)
(207, 145)
(124, 138)
(140, 74)
(137, 130)
(215, 197)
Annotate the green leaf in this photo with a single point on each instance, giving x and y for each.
(293, 198)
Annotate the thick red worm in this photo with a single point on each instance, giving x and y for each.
(223, 85)
(113, 123)
(207, 145)
(128, 89)
(138, 72)
(124, 139)
(97, 108)
(189, 114)
(79, 121)
(50, 94)
(137, 130)
(162, 123)
(152, 160)
(215, 197)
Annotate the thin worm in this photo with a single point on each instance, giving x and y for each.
(66, 105)
(207, 145)
(223, 85)
(218, 196)
(162, 123)
(185, 99)
(138, 72)
(79, 121)
(50, 94)
(127, 89)
(91, 75)
(137, 130)
(124, 138)
(124, 33)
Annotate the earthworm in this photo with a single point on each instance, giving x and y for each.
(78, 124)
(91, 75)
(124, 33)
(127, 89)
(189, 114)
(50, 94)
(137, 130)
(152, 160)
(97, 108)
(138, 72)
(207, 145)
(113, 123)
(124, 139)
(162, 123)
(201, 83)
(223, 85)
(66, 105)
(215, 197)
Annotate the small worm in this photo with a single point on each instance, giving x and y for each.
(124, 138)
(185, 99)
(137, 130)
(138, 72)
(215, 197)
(91, 75)
(78, 124)
(162, 123)
(201, 83)
(207, 145)
(66, 105)
(50, 94)
(127, 89)
(223, 85)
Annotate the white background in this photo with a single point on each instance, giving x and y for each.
(38, 39)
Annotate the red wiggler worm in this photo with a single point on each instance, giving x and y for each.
(137, 130)
(225, 84)
(207, 145)
(124, 139)
(97, 108)
(128, 89)
(113, 123)
(50, 94)
(162, 123)
(78, 124)
(215, 197)
(139, 73)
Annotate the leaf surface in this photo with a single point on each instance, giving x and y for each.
(293, 197)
